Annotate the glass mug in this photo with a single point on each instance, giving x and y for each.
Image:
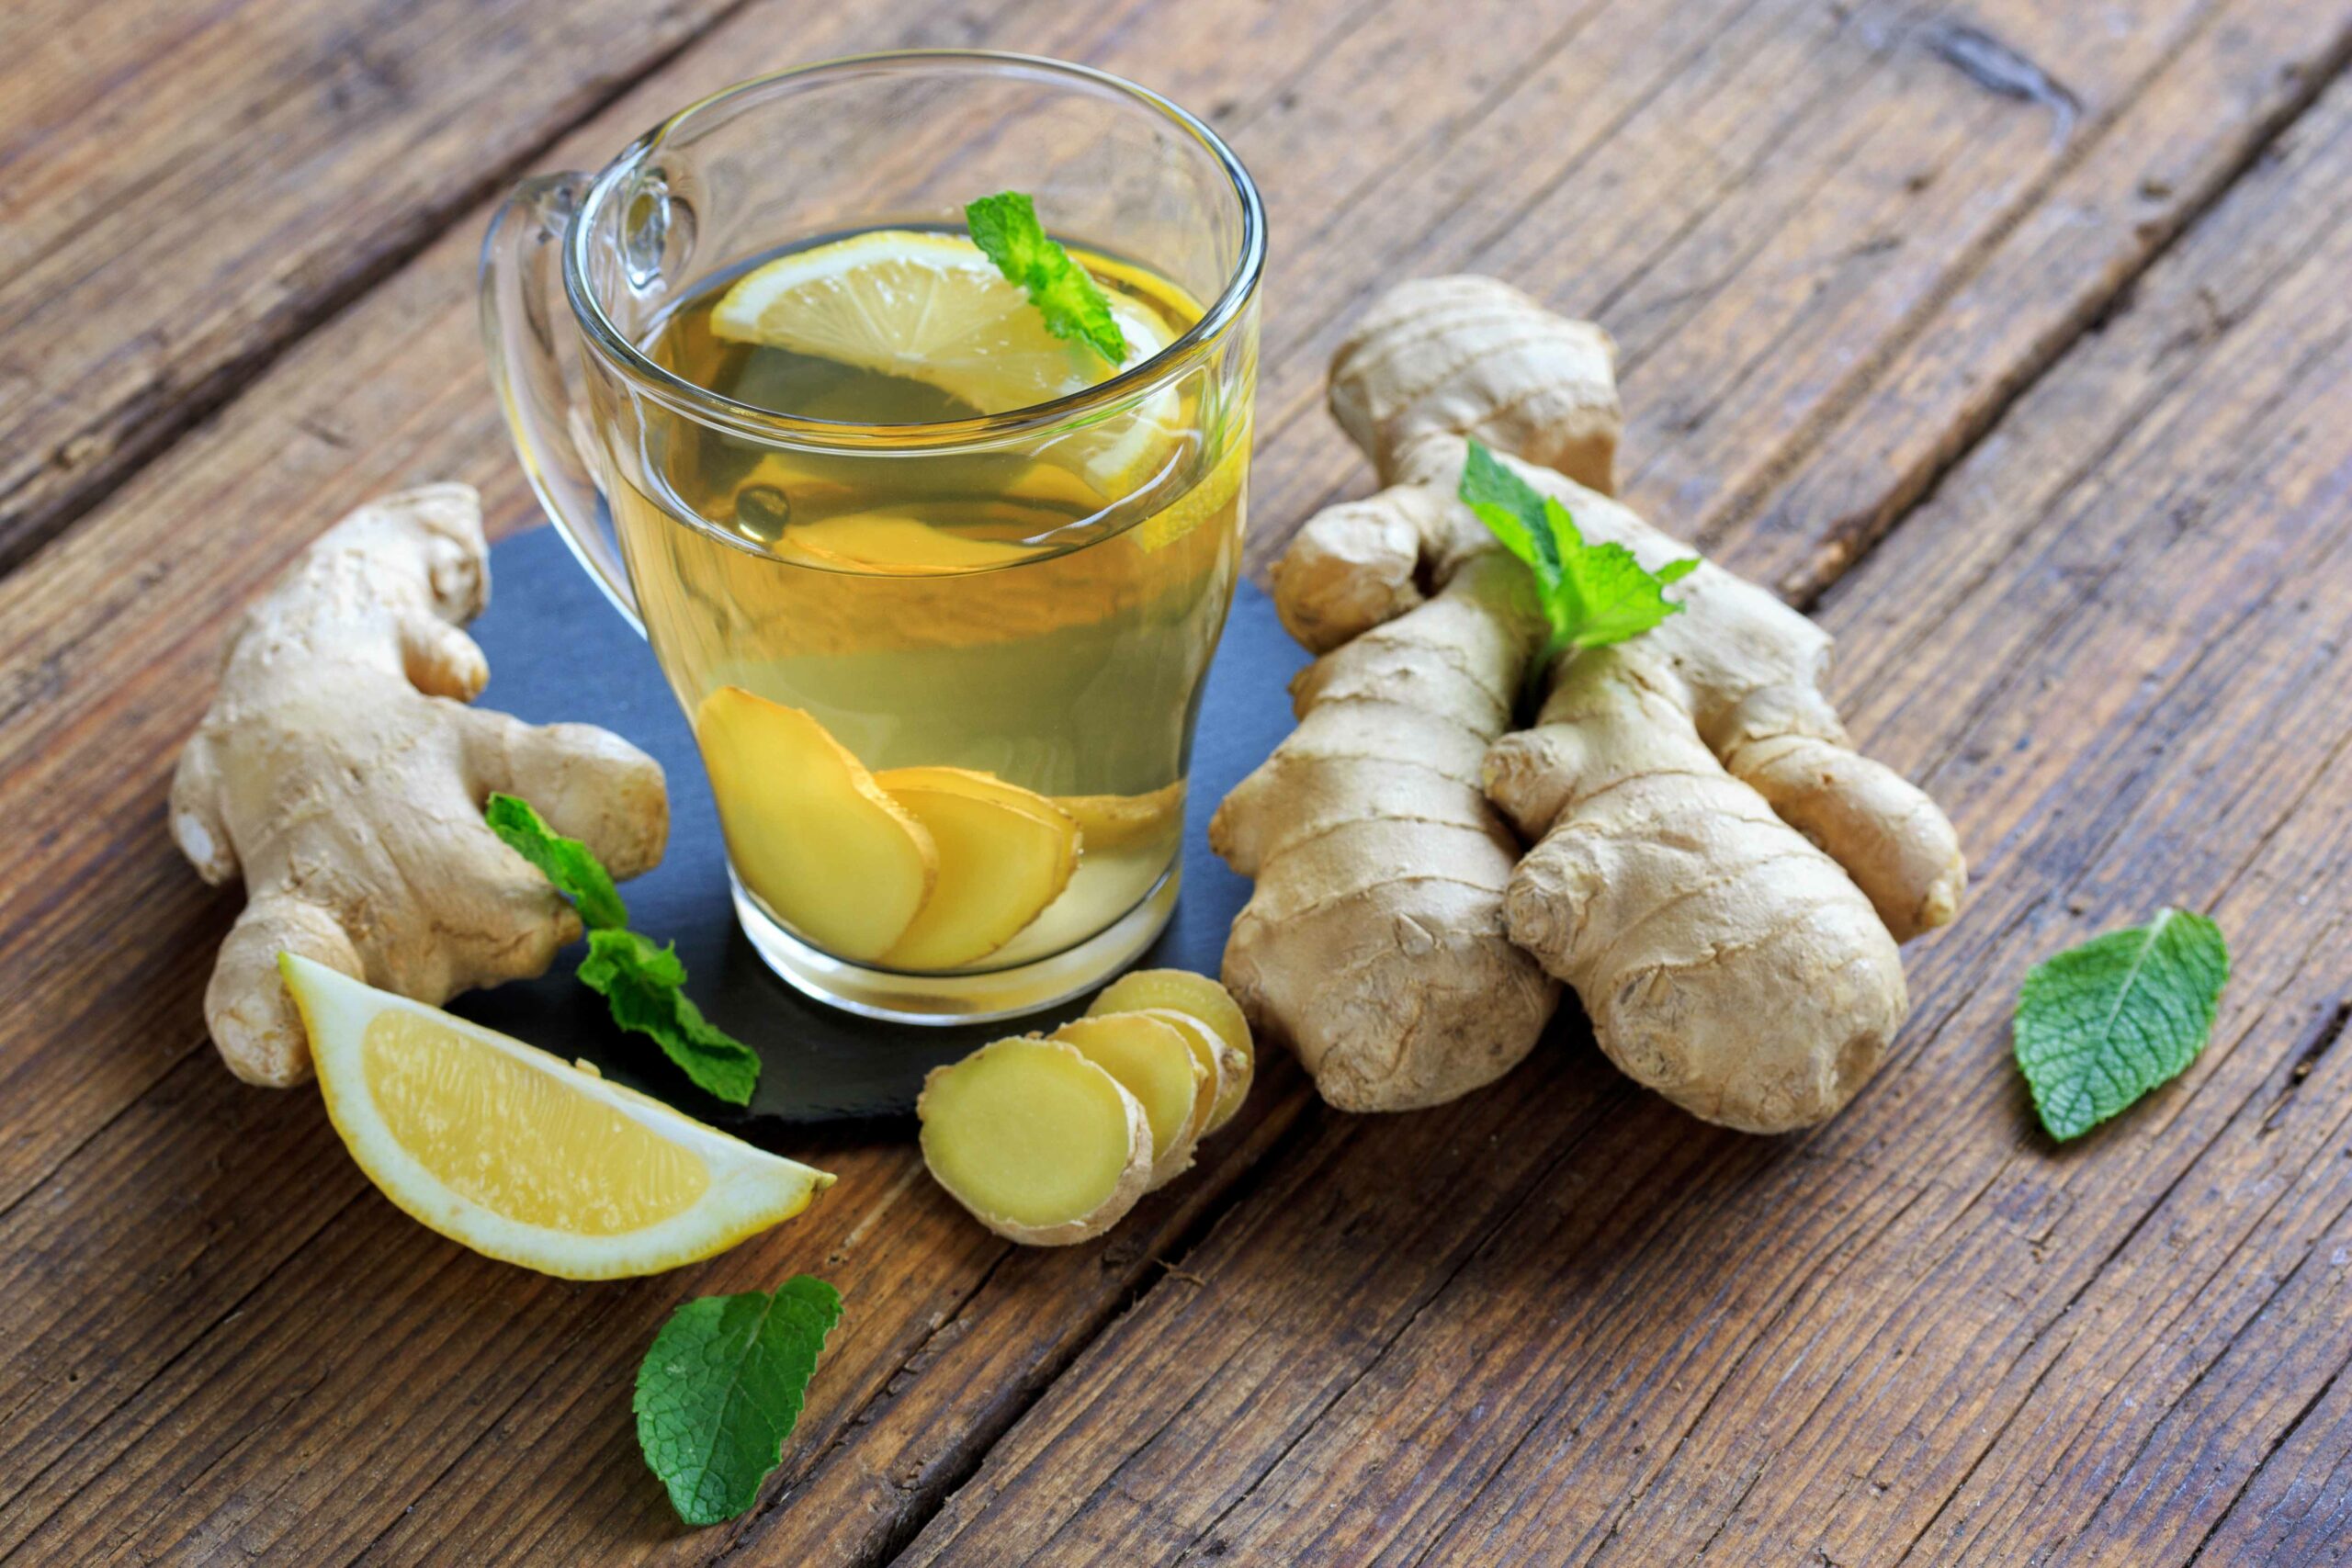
(854, 613)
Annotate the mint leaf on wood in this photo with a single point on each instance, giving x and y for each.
(644, 985)
(2101, 1024)
(577, 873)
(720, 1388)
(1005, 226)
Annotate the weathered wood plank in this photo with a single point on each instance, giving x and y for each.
(1881, 236)
(1921, 1332)
(189, 187)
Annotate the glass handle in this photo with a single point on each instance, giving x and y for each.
(521, 310)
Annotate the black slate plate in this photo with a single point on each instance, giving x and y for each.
(557, 651)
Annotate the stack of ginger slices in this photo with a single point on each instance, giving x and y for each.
(1050, 1139)
(919, 869)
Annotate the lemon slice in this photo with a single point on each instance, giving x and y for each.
(516, 1154)
(932, 308)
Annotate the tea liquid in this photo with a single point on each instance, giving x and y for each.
(1042, 612)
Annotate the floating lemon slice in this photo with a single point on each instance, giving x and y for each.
(932, 308)
(514, 1153)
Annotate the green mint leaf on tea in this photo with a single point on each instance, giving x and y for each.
(1592, 596)
(720, 1388)
(1005, 226)
(2101, 1024)
(577, 874)
(645, 987)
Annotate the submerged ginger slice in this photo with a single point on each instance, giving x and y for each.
(1115, 821)
(808, 828)
(1153, 1061)
(1198, 997)
(1042, 1145)
(1004, 854)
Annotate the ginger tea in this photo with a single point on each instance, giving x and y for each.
(1038, 612)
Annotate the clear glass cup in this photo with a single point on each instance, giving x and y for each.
(1070, 663)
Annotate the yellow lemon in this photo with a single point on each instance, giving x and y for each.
(933, 309)
(521, 1156)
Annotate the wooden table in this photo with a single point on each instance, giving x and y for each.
(2013, 339)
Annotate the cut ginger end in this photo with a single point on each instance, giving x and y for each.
(1154, 1063)
(1042, 1145)
(1004, 855)
(1197, 996)
(808, 830)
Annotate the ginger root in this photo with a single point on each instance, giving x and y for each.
(1719, 876)
(340, 773)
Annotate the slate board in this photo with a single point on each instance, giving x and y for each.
(558, 651)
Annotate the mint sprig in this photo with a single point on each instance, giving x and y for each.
(1005, 226)
(645, 987)
(722, 1386)
(578, 875)
(1591, 595)
(642, 984)
(2099, 1025)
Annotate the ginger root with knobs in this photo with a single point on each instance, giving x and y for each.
(341, 773)
(1717, 874)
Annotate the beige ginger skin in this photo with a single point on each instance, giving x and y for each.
(1718, 875)
(341, 773)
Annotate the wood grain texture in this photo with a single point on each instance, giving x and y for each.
(185, 188)
(290, 1369)
(1922, 1334)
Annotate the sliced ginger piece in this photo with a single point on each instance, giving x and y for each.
(1115, 821)
(1212, 1055)
(1041, 1145)
(1196, 995)
(808, 828)
(1153, 1062)
(1004, 854)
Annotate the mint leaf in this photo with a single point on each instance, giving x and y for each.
(1513, 512)
(1005, 226)
(721, 1387)
(577, 873)
(1607, 595)
(644, 985)
(1592, 596)
(2101, 1024)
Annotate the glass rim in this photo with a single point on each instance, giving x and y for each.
(1131, 385)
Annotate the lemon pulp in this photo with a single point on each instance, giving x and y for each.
(520, 1143)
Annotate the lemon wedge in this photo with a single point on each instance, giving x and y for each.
(933, 309)
(519, 1154)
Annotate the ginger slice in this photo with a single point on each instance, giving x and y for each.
(808, 828)
(1153, 1062)
(1115, 821)
(1197, 997)
(1042, 1145)
(1004, 855)
(1212, 1055)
